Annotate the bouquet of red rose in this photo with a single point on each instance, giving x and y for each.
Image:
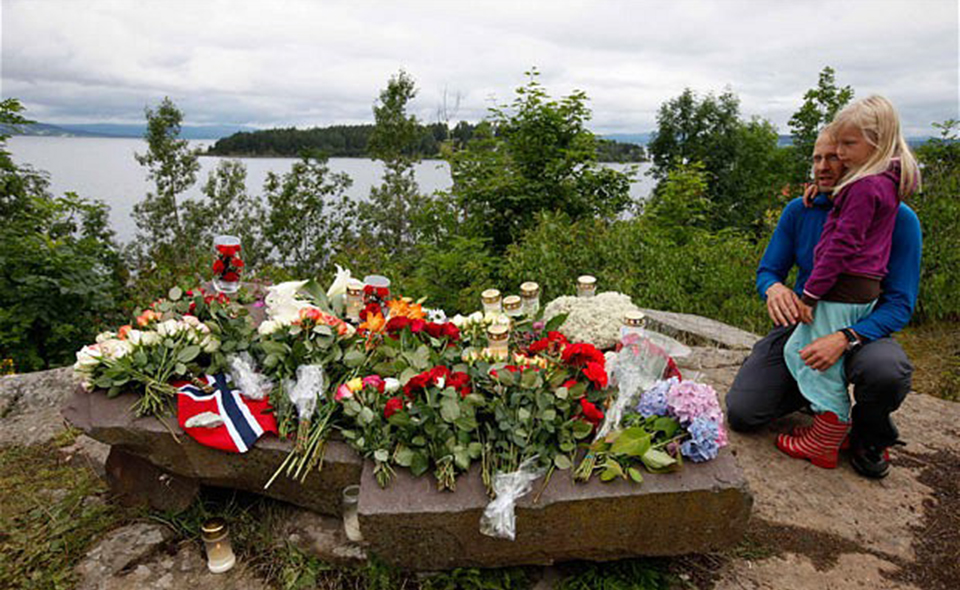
(436, 424)
(227, 265)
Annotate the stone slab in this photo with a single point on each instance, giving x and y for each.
(701, 508)
(163, 444)
(696, 330)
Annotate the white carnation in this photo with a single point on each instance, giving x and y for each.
(150, 338)
(390, 385)
(268, 327)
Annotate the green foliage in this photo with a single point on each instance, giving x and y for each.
(680, 202)
(309, 215)
(633, 574)
(452, 275)
(938, 208)
(393, 206)
(172, 166)
(536, 155)
(60, 273)
(820, 105)
(744, 167)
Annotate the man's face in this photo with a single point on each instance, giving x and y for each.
(827, 166)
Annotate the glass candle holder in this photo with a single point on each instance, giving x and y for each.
(227, 264)
(586, 286)
(513, 306)
(216, 539)
(633, 323)
(351, 522)
(530, 294)
(353, 301)
(491, 301)
(498, 340)
(376, 289)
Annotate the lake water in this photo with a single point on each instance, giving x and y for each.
(105, 169)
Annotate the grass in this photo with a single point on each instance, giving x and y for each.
(934, 350)
(50, 513)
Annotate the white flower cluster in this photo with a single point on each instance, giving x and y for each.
(596, 320)
(479, 319)
(283, 306)
(113, 346)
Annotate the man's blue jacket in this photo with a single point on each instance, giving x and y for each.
(798, 232)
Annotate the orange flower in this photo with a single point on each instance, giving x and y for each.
(405, 308)
(374, 323)
(124, 331)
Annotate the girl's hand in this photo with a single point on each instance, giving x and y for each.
(806, 312)
(809, 192)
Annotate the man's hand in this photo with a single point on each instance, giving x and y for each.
(823, 352)
(783, 305)
(809, 192)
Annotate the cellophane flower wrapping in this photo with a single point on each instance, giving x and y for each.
(499, 517)
(307, 388)
(251, 383)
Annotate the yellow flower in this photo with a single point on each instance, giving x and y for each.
(355, 384)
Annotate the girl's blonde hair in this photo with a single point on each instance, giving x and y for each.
(876, 118)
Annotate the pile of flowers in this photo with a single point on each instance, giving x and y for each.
(228, 265)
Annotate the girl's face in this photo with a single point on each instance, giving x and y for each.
(852, 147)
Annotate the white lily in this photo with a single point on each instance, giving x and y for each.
(339, 285)
(282, 303)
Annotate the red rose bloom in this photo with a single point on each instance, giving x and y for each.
(237, 263)
(393, 405)
(218, 266)
(597, 374)
(396, 324)
(439, 372)
(451, 331)
(569, 383)
(435, 330)
(416, 383)
(591, 413)
(231, 276)
(460, 381)
(228, 250)
(417, 326)
(578, 355)
(539, 345)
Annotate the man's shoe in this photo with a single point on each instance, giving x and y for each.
(870, 461)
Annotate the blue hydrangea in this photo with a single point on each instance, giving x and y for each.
(653, 402)
(702, 444)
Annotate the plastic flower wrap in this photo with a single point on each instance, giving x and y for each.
(253, 384)
(499, 517)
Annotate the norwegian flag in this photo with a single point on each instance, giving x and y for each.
(237, 421)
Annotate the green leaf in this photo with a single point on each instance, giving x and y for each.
(562, 462)
(188, 354)
(404, 457)
(562, 392)
(581, 430)
(366, 416)
(274, 347)
(461, 458)
(530, 379)
(632, 442)
(555, 322)
(323, 330)
(549, 415)
(381, 455)
(354, 359)
(419, 464)
(635, 474)
(271, 361)
(657, 460)
(175, 293)
(669, 426)
(317, 294)
(103, 382)
(449, 409)
(180, 369)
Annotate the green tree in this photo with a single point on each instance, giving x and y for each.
(535, 155)
(820, 106)
(389, 214)
(60, 273)
(680, 203)
(309, 216)
(172, 167)
(938, 208)
(743, 165)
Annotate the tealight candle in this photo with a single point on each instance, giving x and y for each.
(530, 293)
(498, 340)
(586, 286)
(351, 522)
(633, 323)
(491, 301)
(513, 306)
(220, 557)
(353, 302)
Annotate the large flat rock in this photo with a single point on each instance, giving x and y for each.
(701, 508)
(163, 444)
(697, 330)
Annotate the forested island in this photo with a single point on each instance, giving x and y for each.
(350, 141)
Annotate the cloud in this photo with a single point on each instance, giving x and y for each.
(309, 63)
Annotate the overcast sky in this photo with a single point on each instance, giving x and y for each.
(272, 63)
